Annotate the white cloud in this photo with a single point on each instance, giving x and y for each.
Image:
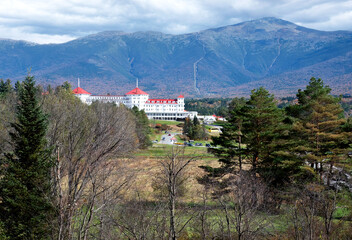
(45, 21)
(25, 33)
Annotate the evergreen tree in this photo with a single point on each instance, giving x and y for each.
(319, 125)
(18, 86)
(236, 118)
(261, 126)
(188, 128)
(196, 121)
(229, 157)
(230, 148)
(194, 130)
(25, 192)
(199, 130)
(50, 89)
(347, 129)
(5, 87)
(142, 127)
(201, 133)
(67, 86)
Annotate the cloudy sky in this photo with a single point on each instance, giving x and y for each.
(56, 21)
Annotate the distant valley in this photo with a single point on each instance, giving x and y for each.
(227, 61)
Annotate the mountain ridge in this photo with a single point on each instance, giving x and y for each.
(224, 61)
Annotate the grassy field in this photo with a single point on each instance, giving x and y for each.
(146, 163)
(155, 135)
(166, 122)
(162, 150)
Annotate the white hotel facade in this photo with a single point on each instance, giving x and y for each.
(164, 109)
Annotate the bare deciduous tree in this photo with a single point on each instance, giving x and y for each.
(87, 139)
(172, 169)
(206, 223)
(311, 216)
(139, 219)
(242, 209)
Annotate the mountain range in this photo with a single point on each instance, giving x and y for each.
(227, 61)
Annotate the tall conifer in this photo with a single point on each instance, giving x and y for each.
(25, 204)
(142, 127)
(5, 87)
(261, 125)
(322, 140)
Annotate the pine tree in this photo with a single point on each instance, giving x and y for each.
(5, 87)
(347, 129)
(261, 126)
(25, 184)
(322, 140)
(188, 128)
(67, 86)
(196, 121)
(142, 127)
(230, 140)
(18, 86)
(228, 152)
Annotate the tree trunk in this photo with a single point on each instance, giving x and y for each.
(172, 206)
(329, 174)
(240, 155)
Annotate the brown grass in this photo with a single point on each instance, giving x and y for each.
(147, 167)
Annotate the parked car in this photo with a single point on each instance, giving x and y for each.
(190, 144)
(208, 145)
(155, 141)
(185, 143)
(199, 144)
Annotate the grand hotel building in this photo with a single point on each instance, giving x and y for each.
(165, 109)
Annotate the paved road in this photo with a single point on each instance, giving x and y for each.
(167, 138)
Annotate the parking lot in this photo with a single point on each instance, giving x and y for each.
(170, 138)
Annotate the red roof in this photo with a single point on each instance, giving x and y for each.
(181, 96)
(80, 91)
(216, 116)
(136, 91)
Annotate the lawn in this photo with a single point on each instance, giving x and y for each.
(162, 150)
(166, 122)
(146, 164)
(156, 135)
